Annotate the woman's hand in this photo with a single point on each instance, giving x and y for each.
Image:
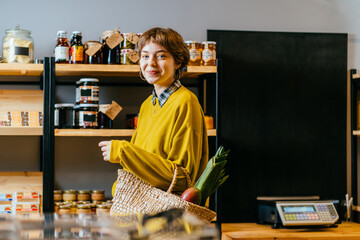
(105, 148)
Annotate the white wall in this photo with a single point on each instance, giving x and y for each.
(189, 17)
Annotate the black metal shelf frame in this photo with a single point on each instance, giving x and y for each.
(354, 87)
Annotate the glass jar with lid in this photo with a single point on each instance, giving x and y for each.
(18, 46)
(111, 54)
(93, 52)
(195, 48)
(209, 53)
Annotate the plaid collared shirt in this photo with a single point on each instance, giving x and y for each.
(164, 96)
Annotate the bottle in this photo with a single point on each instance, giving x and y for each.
(62, 48)
(76, 48)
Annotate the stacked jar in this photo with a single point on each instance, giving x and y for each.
(87, 100)
(129, 55)
(81, 202)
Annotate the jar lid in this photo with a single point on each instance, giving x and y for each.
(84, 206)
(97, 202)
(83, 202)
(17, 29)
(66, 206)
(61, 32)
(76, 33)
(98, 191)
(76, 107)
(126, 50)
(192, 41)
(103, 206)
(59, 203)
(59, 105)
(84, 191)
(209, 42)
(70, 191)
(88, 105)
(92, 42)
(57, 191)
(89, 80)
(125, 34)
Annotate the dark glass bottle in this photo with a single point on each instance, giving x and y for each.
(62, 48)
(76, 48)
(110, 56)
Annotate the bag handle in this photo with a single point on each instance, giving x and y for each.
(173, 182)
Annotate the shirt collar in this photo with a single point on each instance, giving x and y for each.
(164, 96)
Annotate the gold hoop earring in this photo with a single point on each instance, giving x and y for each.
(177, 74)
(141, 76)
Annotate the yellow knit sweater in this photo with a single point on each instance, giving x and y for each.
(172, 134)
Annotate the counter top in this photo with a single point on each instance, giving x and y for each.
(346, 230)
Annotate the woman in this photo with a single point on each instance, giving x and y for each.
(171, 128)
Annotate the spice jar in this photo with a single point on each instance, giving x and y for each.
(93, 53)
(18, 46)
(111, 49)
(130, 40)
(103, 209)
(64, 115)
(98, 195)
(129, 57)
(89, 90)
(195, 52)
(62, 48)
(69, 195)
(87, 115)
(83, 209)
(83, 195)
(65, 209)
(58, 196)
(209, 53)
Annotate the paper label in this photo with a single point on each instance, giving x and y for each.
(62, 53)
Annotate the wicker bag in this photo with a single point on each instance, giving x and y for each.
(134, 196)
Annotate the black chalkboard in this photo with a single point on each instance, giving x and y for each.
(283, 115)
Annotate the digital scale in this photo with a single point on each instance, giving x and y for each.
(296, 211)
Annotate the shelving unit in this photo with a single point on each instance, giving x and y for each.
(44, 75)
(17, 100)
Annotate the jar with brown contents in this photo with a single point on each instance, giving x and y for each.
(65, 209)
(209, 53)
(83, 208)
(93, 52)
(58, 195)
(103, 209)
(69, 195)
(195, 48)
(83, 195)
(98, 195)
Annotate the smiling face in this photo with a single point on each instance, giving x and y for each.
(157, 65)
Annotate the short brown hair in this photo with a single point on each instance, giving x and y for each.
(169, 39)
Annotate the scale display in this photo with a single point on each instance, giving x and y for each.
(307, 213)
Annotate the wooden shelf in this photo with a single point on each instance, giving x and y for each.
(18, 69)
(103, 132)
(119, 70)
(21, 131)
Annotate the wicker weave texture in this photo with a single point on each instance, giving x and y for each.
(133, 196)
